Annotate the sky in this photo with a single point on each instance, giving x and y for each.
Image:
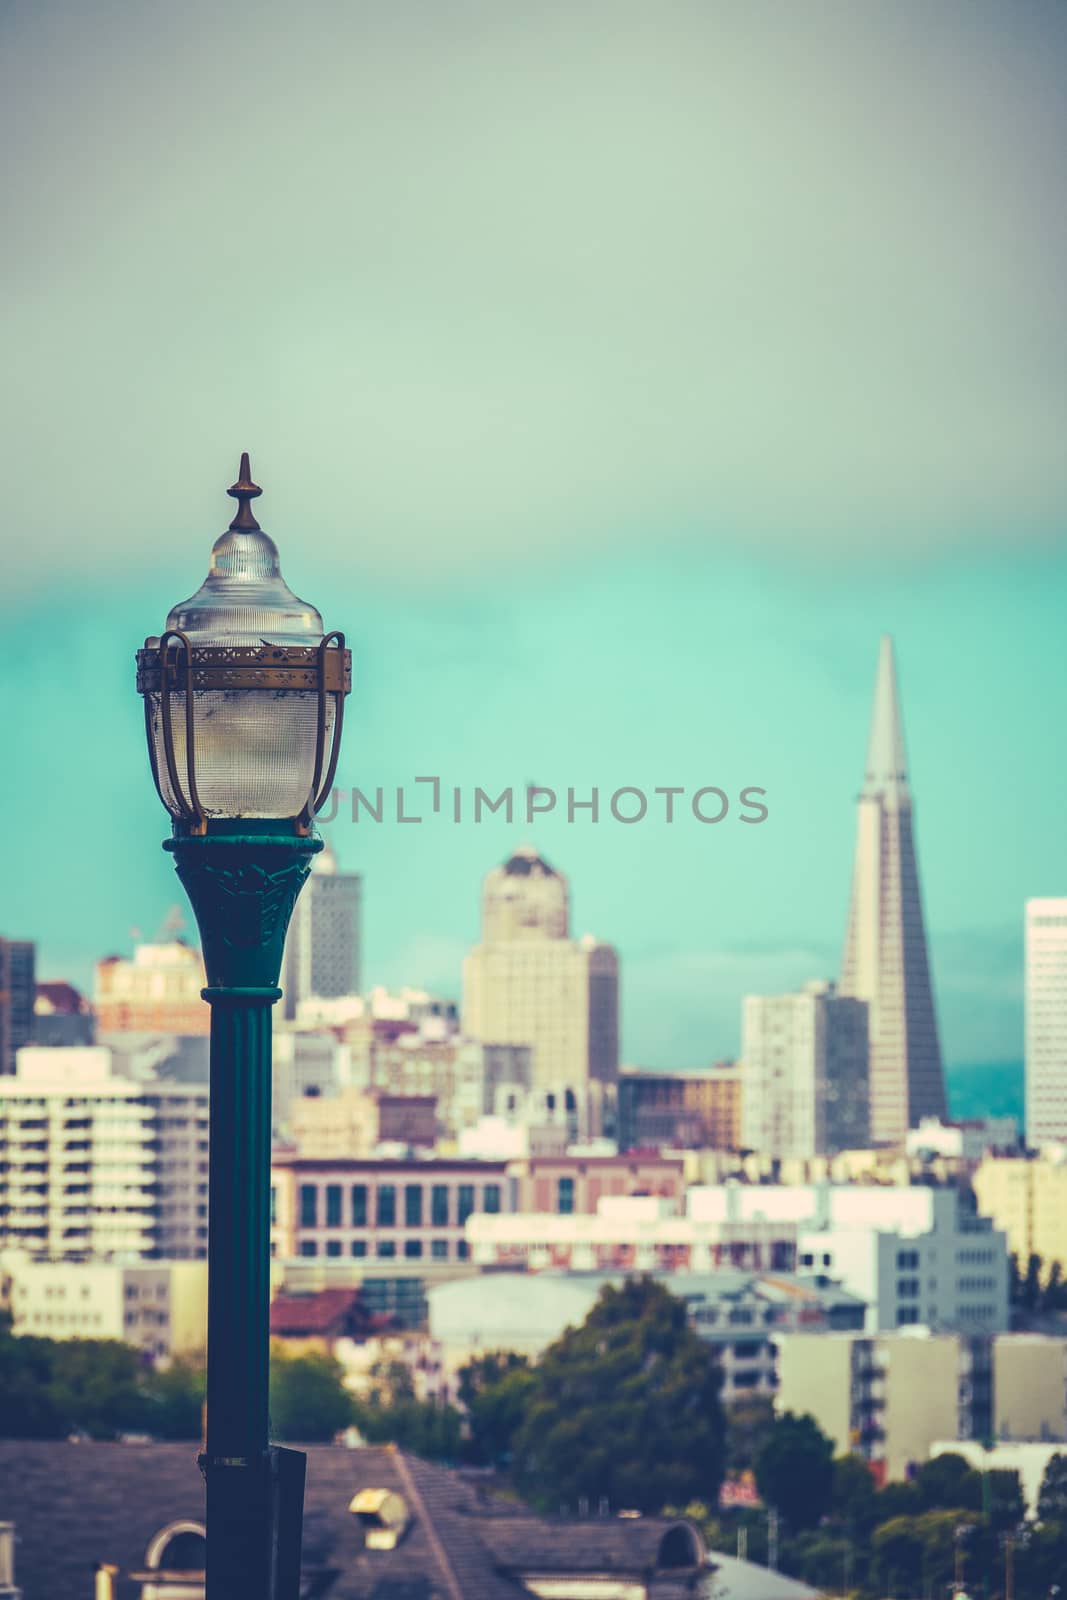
(615, 375)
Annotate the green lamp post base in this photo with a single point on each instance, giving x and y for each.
(243, 887)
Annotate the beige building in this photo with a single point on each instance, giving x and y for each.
(1027, 1200)
(528, 983)
(891, 1397)
(160, 1307)
(1046, 1020)
(158, 991)
(354, 1123)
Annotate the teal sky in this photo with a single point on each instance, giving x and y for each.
(615, 376)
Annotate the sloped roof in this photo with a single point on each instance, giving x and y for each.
(322, 1313)
(621, 1545)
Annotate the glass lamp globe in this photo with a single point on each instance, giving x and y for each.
(243, 691)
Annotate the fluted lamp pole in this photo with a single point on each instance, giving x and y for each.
(243, 699)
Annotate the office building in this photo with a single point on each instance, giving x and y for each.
(322, 948)
(1046, 1021)
(380, 1210)
(354, 1122)
(805, 1073)
(157, 991)
(159, 1307)
(1027, 1198)
(17, 994)
(885, 957)
(95, 1165)
(529, 983)
(62, 1016)
(696, 1109)
(890, 1397)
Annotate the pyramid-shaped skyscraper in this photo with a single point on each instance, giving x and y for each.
(885, 961)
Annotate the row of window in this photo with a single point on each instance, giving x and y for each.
(331, 1213)
(389, 1250)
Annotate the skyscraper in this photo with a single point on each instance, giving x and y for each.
(805, 1074)
(322, 950)
(17, 994)
(529, 983)
(1046, 1021)
(885, 961)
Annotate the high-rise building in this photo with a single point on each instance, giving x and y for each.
(805, 1085)
(62, 1015)
(158, 991)
(1046, 1021)
(17, 994)
(885, 960)
(322, 949)
(97, 1165)
(529, 983)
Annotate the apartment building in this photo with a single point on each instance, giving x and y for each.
(890, 1397)
(696, 1109)
(159, 1307)
(1026, 1197)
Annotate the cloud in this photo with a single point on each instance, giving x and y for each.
(481, 285)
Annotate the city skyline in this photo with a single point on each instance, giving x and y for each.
(616, 440)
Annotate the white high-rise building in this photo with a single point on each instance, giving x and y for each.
(528, 983)
(805, 1088)
(96, 1165)
(885, 960)
(322, 948)
(1046, 1021)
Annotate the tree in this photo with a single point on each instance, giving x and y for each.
(1052, 1496)
(97, 1386)
(624, 1409)
(494, 1390)
(176, 1401)
(948, 1481)
(1003, 1499)
(750, 1424)
(27, 1408)
(795, 1470)
(854, 1498)
(308, 1400)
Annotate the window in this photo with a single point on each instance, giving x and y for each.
(412, 1248)
(565, 1196)
(386, 1206)
(439, 1249)
(413, 1205)
(359, 1205)
(466, 1202)
(907, 1316)
(309, 1205)
(386, 1248)
(907, 1260)
(463, 1249)
(273, 1205)
(308, 1247)
(333, 1247)
(359, 1247)
(907, 1288)
(491, 1201)
(439, 1205)
(333, 1205)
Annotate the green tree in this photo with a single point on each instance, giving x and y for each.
(1052, 1496)
(795, 1470)
(308, 1400)
(97, 1386)
(948, 1481)
(897, 1555)
(749, 1424)
(494, 1390)
(854, 1497)
(27, 1408)
(624, 1409)
(391, 1414)
(176, 1401)
(1003, 1499)
(897, 1500)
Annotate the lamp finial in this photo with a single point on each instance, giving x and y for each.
(244, 491)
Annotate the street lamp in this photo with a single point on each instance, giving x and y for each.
(243, 700)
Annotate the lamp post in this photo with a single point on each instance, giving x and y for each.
(243, 700)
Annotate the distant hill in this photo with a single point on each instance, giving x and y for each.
(985, 1089)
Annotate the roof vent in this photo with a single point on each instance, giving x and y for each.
(384, 1515)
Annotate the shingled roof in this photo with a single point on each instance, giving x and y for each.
(77, 1505)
